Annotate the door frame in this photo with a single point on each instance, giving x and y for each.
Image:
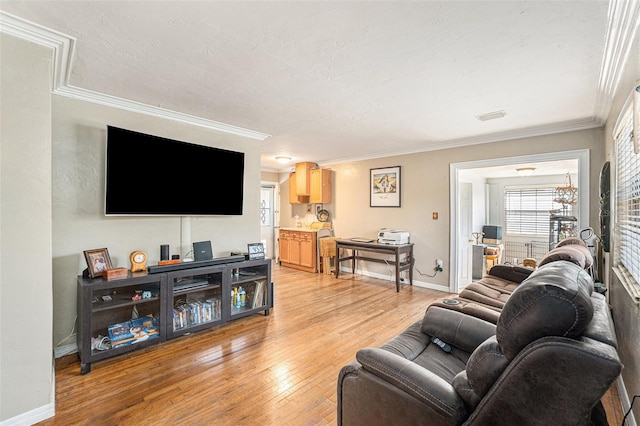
(582, 155)
(275, 186)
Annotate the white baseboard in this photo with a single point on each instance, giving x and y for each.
(61, 351)
(626, 403)
(38, 414)
(347, 270)
(31, 417)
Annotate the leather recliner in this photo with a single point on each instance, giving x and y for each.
(549, 359)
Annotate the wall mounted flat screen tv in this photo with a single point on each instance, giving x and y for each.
(149, 175)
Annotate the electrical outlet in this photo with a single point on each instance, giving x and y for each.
(439, 265)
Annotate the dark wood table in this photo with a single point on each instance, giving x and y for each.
(397, 250)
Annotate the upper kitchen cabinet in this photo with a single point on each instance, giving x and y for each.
(320, 186)
(294, 198)
(303, 182)
(309, 184)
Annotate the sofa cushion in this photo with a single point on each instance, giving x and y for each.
(463, 388)
(410, 343)
(574, 253)
(470, 307)
(461, 331)
(554, 301)
(485, 295)
(485, 365)
(571, 241)
(511, 273)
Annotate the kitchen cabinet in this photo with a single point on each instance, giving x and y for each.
(303, 182)
(299, 249)
(320, 181)
(294, 198)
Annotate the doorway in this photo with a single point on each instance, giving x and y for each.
(459, 207)
(269, 218)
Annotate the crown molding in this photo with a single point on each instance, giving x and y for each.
(624, 19)
(63, 47)
(568, 126)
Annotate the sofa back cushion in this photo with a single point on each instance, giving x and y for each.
(571, 249)
(513, 273)
(554, 301)
(485, 365)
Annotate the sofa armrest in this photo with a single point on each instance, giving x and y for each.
(456, 328)
(416, 381)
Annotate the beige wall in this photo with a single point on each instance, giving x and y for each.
(79, 223)
(26, 365)
(425, 189)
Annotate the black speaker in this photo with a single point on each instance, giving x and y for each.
(605, 205)
(164, 252)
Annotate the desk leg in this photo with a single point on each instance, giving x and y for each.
(337, 272)
(397, 271)
(353, 261)
(412, 261)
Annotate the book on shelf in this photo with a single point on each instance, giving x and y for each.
(258, 294)
(186, 314)
(133, 331)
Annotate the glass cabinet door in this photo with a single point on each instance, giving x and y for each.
(196, 300)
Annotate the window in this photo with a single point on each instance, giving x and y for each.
(627, 204)
(266, 206)
(527, 210)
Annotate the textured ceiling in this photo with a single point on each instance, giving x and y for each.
(332, 81)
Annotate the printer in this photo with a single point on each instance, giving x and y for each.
(393, 236)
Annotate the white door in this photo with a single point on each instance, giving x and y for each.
(267, 219)
(465, 247)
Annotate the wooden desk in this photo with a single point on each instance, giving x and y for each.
(391, 249)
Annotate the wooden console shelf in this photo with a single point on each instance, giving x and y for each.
(177, 303)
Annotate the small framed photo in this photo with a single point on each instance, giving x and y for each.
(98, 261)
(256, 251)
(385, 187)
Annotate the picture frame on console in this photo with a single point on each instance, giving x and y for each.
(98, 261)
(384, 187)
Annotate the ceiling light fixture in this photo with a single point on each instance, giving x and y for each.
(283, 160)
(526, 171)
(491, 115)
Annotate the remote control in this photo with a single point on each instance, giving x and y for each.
(442, 345)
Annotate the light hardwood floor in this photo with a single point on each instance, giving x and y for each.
(279, 369)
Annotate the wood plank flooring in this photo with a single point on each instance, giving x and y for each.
(279, 369)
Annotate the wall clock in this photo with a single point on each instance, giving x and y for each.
(256, 251)
(138, 261)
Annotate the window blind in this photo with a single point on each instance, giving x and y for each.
(527, 210)
(627, 228)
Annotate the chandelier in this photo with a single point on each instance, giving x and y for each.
(566, 195)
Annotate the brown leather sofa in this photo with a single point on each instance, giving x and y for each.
(550, 357)
(484, 298)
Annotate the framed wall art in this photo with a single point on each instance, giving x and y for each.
(384, 187)
(98, 261)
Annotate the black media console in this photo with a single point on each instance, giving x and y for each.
(169, 303)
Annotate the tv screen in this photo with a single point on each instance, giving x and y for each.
(149, 175)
